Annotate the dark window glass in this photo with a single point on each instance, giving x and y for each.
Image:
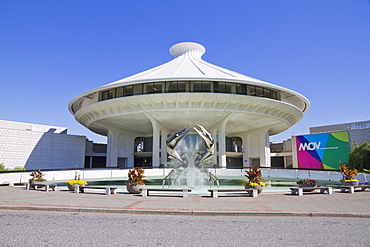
(181, 86)
(111, 94)
(104, 95)
(273, 95)
(241, 89)
(267, 93)
(229, 87)
(158, 87)
(215, 86)
(206, 86)
(259, 91)
(188, 86)
(148, 88)
(172, 86)
(221, 87)
(252, 90)
(119, 92)
(138, 89)
(128, 90)
(197, 86)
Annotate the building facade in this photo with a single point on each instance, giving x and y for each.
(138, 113)
(35, 146)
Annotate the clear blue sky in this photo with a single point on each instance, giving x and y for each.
(52, 51)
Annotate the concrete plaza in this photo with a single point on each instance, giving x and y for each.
(266, 204)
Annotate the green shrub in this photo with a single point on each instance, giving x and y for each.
(2, 168)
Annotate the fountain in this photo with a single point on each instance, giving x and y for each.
(190, 156)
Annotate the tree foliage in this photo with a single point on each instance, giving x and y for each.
(359, 157)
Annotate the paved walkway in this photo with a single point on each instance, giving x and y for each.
(266, 204)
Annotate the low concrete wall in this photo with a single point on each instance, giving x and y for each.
(23, 177)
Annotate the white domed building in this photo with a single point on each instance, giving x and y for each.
(139, 112)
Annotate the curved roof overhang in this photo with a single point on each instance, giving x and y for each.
(177, 111)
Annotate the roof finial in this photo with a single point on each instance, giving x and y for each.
(184, 47)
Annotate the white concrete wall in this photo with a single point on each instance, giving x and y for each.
(41, 150)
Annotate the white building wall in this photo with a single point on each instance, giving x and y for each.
(41, 150)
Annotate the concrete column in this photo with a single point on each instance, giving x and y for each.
(246, 161)
(112, 148)
(256, 144)
(164, 134)
(222, 149)
(157, 127)
(264, 148)
(126, 147)
(156, 158)
(214, 135)
(221, 128)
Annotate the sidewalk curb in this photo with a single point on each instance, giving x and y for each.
(184, 212)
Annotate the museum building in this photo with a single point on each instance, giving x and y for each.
(139, 112)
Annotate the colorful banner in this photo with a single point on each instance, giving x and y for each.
(322, 151)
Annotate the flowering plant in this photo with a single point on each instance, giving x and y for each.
(136, 176)
(80, 182)
(254, 176)
(348, 174)
(37, 176)
(308, 181)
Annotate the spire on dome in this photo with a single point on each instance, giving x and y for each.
(184, 47)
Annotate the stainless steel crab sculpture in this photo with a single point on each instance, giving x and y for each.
(175, 139)
(189, 164)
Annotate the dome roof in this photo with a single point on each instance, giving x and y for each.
(188, 64)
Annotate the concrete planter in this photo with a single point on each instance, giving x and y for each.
(134, 189)
(306, 185)
(352, 183)
(258, 187)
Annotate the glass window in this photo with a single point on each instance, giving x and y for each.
(181, 86)
(259, 91)
(206, 85)
(138, 89)
(215, 86)
(111, 94)
(128, 90)
(197, 86)
(104, 95)
(189, 86)
(158, 87)
(267, 93)
(241, 88)
(273, 95)
(227, 87)
(148, 88)
(230, 87)
(119, 92)
(221, 87)
(252, 90)
(171, 86)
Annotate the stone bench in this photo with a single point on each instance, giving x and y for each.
(252, 192)
(108, 190)
(185, 192)
(39, 185)
(351, 188)
(299, 191)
